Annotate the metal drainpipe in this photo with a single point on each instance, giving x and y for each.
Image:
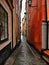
(47, 23)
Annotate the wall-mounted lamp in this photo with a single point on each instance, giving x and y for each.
(30, 3)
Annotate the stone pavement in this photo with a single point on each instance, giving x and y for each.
(24, 55)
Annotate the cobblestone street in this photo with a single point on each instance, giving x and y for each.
(24, 55)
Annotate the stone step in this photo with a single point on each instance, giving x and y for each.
(45, 58)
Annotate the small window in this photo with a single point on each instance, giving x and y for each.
(3, 24)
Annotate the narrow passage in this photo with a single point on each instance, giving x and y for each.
(25, 55)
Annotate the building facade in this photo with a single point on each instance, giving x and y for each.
(37, 18)
(24, 26)
(9, 27)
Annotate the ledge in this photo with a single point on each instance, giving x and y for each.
(4, 45)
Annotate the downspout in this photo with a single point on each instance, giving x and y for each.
(47, 24)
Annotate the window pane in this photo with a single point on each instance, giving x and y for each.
(3, 24)
(6, 25)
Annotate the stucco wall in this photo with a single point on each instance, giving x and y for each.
(37, 28)
(35, 25)
(16, 24)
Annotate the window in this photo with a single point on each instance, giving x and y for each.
(3, 24)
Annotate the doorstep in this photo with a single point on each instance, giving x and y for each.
(45, 55)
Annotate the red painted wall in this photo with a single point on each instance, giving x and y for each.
(36, 16)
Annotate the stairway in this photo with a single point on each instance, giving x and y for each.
(45, 55)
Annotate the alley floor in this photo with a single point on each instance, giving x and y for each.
(25, 55)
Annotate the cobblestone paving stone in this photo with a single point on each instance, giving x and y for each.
(23, 56)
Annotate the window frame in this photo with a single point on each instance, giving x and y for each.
(2, 41)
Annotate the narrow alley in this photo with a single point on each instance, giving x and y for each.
(24, 32)
(24, 55)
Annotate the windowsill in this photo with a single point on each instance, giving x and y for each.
(4, 44)
(2, 41)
